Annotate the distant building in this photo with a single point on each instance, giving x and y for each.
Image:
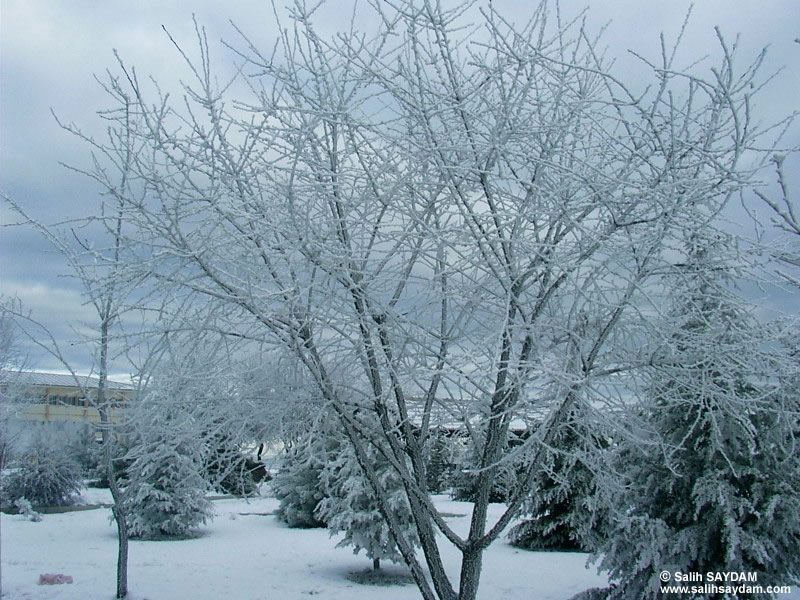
(54, 398)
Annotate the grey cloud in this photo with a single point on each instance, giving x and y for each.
(51, 49)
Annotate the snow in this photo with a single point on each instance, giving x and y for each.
(246, 553)
(92, 495)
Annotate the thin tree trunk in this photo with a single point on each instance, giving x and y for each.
(116, 510)
(122, 552)
(105, 423)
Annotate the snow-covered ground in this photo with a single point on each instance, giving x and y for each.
(245, 553)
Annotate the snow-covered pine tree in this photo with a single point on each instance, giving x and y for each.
(298, 483)
(350, 506)
(562, 507)
(165, 492)
(439, 463)
(297, 486)
(720, 491)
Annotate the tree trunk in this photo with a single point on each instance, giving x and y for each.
(122, 552)
(430, 549)
(118, 512)
(117, 509)
(376, 564)
(471, 562)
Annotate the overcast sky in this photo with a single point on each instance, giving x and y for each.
(50, 51)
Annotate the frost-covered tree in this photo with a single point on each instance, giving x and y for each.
(165, 486)
(425, 214)
(350, 506)
(440, 457)
(298, 484)
(44, 473)
(563, 512)
(93, 246)
(192, 422)
(165, 491)
(785, 218)
(719, 489)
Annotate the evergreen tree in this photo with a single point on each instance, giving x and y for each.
(321, 485)
(44, 473)
(166, 490)
(350, 506)
(720, 492)
(563, 508)
(297, 485)
(440, 462)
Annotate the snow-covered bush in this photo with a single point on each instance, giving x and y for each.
(227, 469)
(440, 464)
(165, 496)
(298, 484)
(350, 506)
(24, 508)
(563, 506)
(44, 474)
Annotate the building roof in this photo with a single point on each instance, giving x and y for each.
(61, 380)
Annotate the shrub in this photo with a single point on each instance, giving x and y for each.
(165, 496)
(299, 489)
(230, 471)
(439, 465)
(26, 510)
(350, 506)
(43, 474)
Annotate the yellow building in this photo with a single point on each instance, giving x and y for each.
(55, 398)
